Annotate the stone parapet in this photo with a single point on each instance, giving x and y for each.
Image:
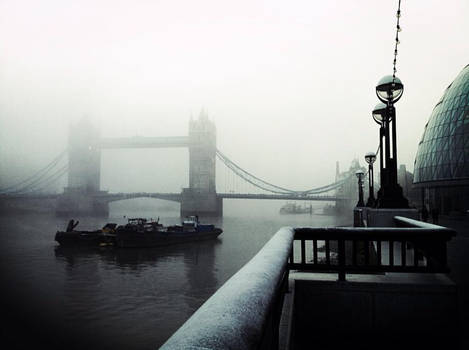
(385, 217)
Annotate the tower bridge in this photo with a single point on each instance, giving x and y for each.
(83, 193)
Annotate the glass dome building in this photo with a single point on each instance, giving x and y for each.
(441, 166)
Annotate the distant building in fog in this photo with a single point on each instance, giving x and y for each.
(405, 179)
(350, 187)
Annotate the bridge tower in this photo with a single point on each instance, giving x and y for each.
(201, 196)
(349, 189)
(84, 172)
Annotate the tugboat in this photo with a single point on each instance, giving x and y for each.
(99, 238)
(138, 232)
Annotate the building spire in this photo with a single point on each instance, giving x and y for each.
(203, 114)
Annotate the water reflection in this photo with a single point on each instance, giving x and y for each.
(139, 258)
(200, 273)
(114, 289)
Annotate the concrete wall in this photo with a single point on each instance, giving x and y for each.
(375, 310)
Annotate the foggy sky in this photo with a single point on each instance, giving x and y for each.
(289, 84)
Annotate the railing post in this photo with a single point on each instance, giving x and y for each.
(289, 266)
(436, 254)
(315, 252)
(341, 246)
(366, 251)
(391, 252)
(303, 253)
(328, 252)
(378, 252)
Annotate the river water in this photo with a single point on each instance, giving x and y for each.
(108, 298)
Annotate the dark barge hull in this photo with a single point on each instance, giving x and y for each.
(132, 239)
(84, 238)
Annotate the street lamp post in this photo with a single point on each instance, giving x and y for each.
(389, 90)
(379, 115)
(370, 158)
(360, 175)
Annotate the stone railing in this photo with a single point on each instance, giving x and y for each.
(412, 246)
(245, 312)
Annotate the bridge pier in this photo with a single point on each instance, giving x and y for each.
(74, 202)
(207, 204)
(201, 197)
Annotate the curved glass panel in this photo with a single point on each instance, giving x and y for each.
(443, 152)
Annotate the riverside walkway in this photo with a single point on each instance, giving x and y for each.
(297, 292)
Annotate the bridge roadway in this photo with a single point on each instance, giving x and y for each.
(176, 197)
(279, 196)
(144, 142)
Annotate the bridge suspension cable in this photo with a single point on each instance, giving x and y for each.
(267, 186)
(38, 180)
(252, 179)
(44, 182)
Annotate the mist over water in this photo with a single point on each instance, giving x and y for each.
(124, 298)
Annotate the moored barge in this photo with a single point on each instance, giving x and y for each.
(140, 233)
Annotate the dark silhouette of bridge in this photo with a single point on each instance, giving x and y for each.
(83, 194)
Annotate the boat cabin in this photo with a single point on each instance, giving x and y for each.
(190, 222)
(137, 221)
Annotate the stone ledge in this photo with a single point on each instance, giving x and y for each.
(385, 217)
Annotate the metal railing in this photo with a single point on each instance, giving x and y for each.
(413, 246)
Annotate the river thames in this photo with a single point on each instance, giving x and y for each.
(109, 298)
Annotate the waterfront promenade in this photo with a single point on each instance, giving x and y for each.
(400, 305)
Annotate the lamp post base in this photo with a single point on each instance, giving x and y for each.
(391, 197)
(371, 202)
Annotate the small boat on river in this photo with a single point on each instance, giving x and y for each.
(141, 233)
